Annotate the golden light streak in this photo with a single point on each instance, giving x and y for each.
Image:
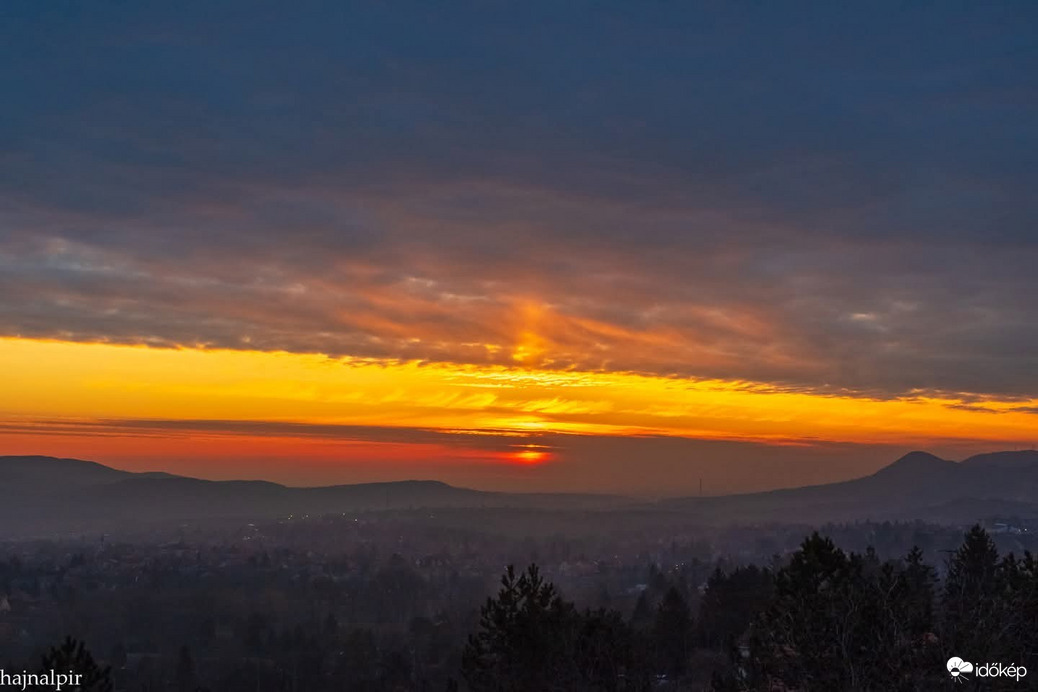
(530, 345)
(52, 381)
(530, 456)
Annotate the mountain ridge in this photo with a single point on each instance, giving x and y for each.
(916, 485)
(42, 495)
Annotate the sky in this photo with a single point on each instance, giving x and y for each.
(607, 247)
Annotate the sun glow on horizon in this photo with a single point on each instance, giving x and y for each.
(109, 392)
(531, 455)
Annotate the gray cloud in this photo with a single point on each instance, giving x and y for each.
(839, 205)
(489, 440)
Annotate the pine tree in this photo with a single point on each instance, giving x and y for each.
(532, 639)
(524, 635)
(847, 622)
(642, 616)
(672, 634)
(73, 655)
(970, 601)
(731, 602)
(919, 590)
(802, 639)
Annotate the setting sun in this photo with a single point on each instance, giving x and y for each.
(530, 456)
(118, 399)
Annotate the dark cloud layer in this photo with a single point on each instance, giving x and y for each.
(826, 198)
(485, 439)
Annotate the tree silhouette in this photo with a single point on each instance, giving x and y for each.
(531, 639)
(606, 654)
(73, 655)
(990, 605)
(731, 602)
(846, 622)
(970, 604)
(524, 634)
(919, 587)
(642, 617)
(802, 638)
(672, 634)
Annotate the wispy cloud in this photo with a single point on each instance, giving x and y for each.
(842, 207)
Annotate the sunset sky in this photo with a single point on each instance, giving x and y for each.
(610, 247)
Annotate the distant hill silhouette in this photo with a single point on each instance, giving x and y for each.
(919, 485)
(36, 472)
(1022, 460)
(44, 496)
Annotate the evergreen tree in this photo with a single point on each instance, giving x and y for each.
(970, 605)
(801, 639)
(73, 655)
(731, 602)
(846, 622)
(524, 635)
(531, 639)
(919, 587)
(672, 634)
(606, 655)
(1025, 611)
(642, 617)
